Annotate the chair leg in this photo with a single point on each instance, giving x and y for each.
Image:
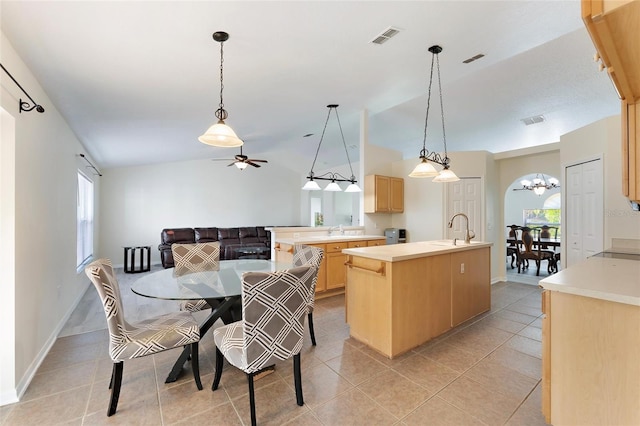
(538, 268)
(218, 375)
(298, 379)
(252, 399)
(116, 382)
(195, 364)
(311, 331)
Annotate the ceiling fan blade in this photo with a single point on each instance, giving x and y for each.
(257, 161)
(228, 165)
(222, 159)
(252, 163)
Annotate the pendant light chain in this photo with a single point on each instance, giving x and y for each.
(221, 72)
(444, 136)
(321, 138)
(426, 120)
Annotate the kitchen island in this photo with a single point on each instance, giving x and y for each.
(402, 295)
(591, 342)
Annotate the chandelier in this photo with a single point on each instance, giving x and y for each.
(334, 177)
(538, 185)
(220, 134)
(424, 168)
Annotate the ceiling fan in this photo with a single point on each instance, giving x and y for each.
(242, 161)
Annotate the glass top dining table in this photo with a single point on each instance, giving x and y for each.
(221, 288)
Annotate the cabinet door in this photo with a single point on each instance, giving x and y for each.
(546, 355)
(321, 284)
(336, 270)
(630, 150)
(397, 195)
(470, 284)
(383, 194)
(284, 252)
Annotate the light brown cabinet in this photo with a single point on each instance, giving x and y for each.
(590, 368)
(394, 307)
(614, 27)
(383, 194)
(284, 252)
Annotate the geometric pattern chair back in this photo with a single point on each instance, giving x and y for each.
(308, 255)
(195, 257)
(274, 306)
(127, 341)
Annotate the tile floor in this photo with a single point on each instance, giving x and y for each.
(485, 372)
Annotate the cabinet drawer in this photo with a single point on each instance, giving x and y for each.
(373, 243)
(356, 244)
(336, 247)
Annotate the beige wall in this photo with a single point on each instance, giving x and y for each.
(43, 215)
(604, 138)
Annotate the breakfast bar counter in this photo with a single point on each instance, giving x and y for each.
(403, 295)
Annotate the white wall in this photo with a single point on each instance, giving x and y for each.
(517, 201)
(47, 285)
(604, 138)
(138, 202)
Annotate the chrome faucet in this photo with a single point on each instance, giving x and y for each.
(468, 235)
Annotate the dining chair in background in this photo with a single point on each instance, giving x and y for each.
(512, 251)
(192, 258)
(274, 306)
(143, 338)
(528, 252)
(309, 255)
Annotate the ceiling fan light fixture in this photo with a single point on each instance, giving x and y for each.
(241, 165)
(424, 169)
(220, 134)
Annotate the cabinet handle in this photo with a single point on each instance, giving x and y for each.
(379, 271)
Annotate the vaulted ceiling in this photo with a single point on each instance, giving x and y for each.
(138, 82)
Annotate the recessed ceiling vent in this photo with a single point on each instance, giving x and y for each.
(473, 58)
(533, 120)
(385, 35)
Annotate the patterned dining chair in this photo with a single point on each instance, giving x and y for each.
(309, 255)
(192, 258)
(274, 306)
(136, 340)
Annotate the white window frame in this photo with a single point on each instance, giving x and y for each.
(84, 219)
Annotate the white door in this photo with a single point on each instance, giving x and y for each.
(584, 216)
(465, 196)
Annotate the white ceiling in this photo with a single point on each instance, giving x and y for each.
(138, 82)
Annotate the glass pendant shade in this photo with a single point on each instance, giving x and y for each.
(311, 185)
(525, 182)
(220, 135)
(423, 170)
(446, 175)
(241, 165)
(353, 188)
(333, 186)
(539, 190)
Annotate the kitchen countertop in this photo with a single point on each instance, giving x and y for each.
(615, 280)
(323, 239)
(398, 252)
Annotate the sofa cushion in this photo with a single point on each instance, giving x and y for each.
(206, 235)
(178, 235)
(228, 234)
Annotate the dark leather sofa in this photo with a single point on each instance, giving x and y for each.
(230, 239)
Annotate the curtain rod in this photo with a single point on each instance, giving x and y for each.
(91, 165)
(24, 106)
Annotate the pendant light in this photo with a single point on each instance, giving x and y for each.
(220, 134)
(334, 177)
(424, 168)
(538, 185)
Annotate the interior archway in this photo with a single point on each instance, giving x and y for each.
(523, 207)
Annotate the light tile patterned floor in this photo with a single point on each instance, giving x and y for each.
(485, 372)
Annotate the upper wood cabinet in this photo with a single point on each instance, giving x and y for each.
(614, 27)
(383, 194)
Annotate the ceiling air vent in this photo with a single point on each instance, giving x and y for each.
(533, 120)
(473, 58)
(385, 35)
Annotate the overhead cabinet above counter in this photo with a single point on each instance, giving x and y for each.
(383, 194)
(614, 27)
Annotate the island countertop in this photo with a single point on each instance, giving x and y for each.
(399, 252)
(614, 280)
